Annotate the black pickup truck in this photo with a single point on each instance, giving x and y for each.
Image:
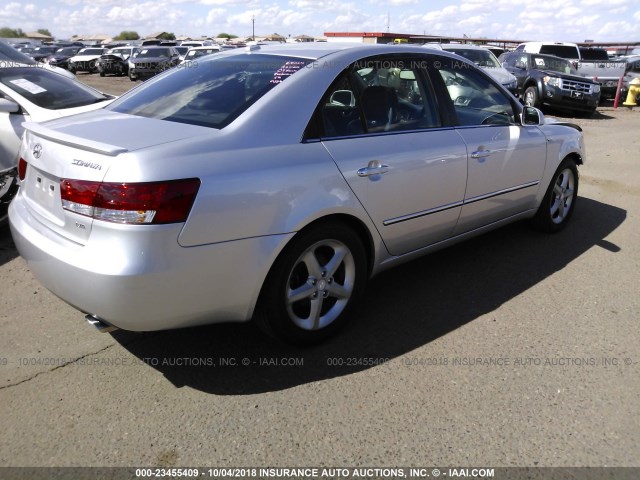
(548, 81)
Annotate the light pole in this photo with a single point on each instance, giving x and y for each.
(253, 27)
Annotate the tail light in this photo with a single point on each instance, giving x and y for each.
(22, 168)
(132, 203)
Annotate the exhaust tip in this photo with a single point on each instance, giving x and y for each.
(101, 326)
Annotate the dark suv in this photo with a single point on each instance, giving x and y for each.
(545, 80)
(152, 60)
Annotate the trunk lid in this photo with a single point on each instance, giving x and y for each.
(83, 147)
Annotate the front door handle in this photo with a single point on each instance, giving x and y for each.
(480, 153)
(375, 167)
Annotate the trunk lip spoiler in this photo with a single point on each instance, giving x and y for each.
(73, 141)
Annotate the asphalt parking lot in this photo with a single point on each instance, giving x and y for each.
(512, 349)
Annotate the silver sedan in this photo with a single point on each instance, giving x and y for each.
(272, 182)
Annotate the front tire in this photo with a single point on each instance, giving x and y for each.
(560, 199)
(531, 97)
(313, 285)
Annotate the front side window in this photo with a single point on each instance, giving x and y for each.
(476, 100)
(378, 95)
(213, 94)
(509, 60)
(47, 89)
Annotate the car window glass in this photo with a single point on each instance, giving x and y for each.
(510, 60)
(378, 95)
(47, 89)
(477, 101)
(339, 113)
(482, 58)
(552, 63)
(563, 51)
(213, 96)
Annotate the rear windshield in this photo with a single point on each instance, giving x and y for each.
(155, 52)
(45, 50)
(563, 51)
(211, 95)
(48, 89)
(594, 54)
(91, 51)
(67, 51)
(482, 58)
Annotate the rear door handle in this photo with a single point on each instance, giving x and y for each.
(480, 153)
(375, 167)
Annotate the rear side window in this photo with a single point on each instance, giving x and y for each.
(211, 95)
(593, 54)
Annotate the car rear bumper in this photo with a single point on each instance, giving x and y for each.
(141, 279)
(111, 68)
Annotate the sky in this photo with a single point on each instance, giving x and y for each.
(568, 20)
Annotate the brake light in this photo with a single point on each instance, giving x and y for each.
(22, 168)
(134, 203)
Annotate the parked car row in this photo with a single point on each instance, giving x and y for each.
(592, 63)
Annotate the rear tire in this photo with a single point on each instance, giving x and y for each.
(559, 201)
(313, 285)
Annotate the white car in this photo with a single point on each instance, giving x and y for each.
(196, 52)
(34, 94)
(86, 60)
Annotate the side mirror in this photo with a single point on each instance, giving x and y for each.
(532, 116)
(8, 106)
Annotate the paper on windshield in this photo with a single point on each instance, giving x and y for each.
(30, 87)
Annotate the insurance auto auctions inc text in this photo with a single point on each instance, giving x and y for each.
(364, 472)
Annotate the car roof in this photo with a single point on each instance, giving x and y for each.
(205, 47)
(462, 46)
(318, 50)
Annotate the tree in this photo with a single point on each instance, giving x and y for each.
(44, 31)
(166, 36)
(125, 35)
(6, 32)
(226, 35)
